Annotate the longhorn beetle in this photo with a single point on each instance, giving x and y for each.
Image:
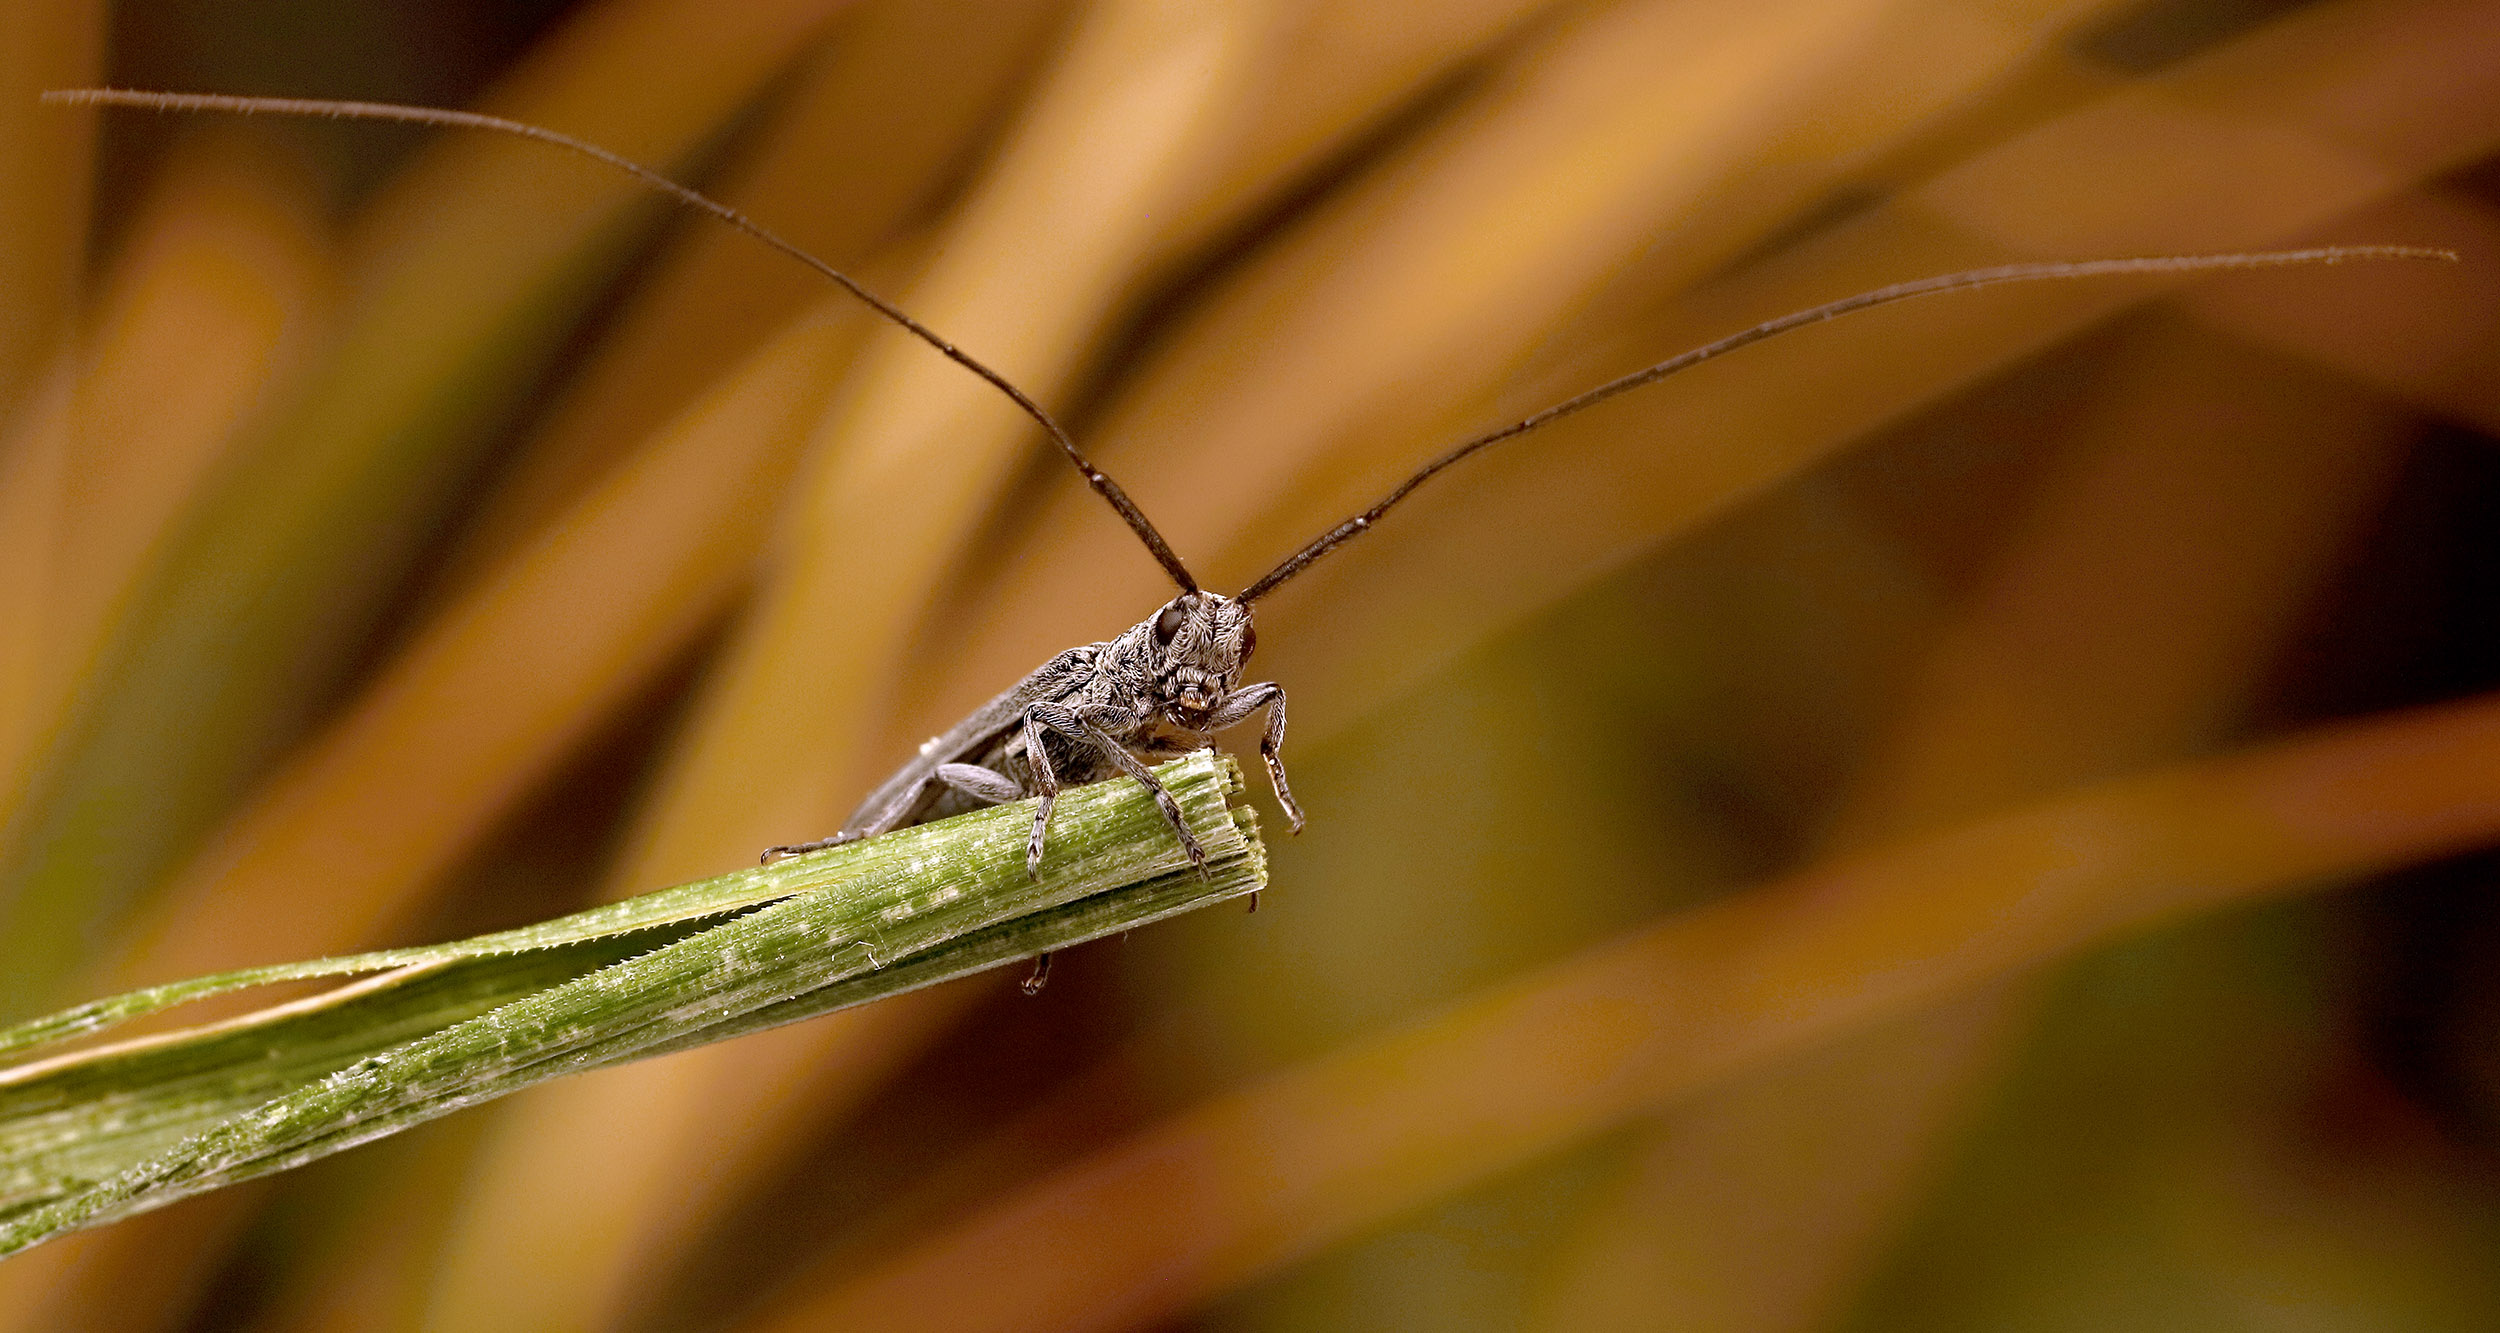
(1167, 684)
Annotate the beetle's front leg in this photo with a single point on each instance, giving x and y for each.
(1104, 725)
(1101, 726)
(1240, 704)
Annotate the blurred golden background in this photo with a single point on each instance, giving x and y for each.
(1907, 827)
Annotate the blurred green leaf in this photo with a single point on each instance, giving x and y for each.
(472, 273)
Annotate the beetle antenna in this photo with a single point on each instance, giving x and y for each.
(1360, 523)
(1095, 477)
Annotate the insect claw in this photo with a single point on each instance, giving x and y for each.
(1284, 792)
(788, 850)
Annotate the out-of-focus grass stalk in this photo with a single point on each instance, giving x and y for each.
(1252, 1180)
(2296, 51)
(1334, 76)
(468, 717)
(622, 1243)
(656, 539)
(846, 681)
(95, 1135)
(1312, 382)
(2194, 507)
(483, 701)
(2234, 122)
(1043, 252)
(46, 162)
(1816, 1219)
(917, 450)
(877, 95)
(44, 175)
(206, 311)
(1459, 616)
(856, 161)
(465, 279)
(202, 320)
(433, 751)
(1735, 672)
(1314, 357)
(32, 490)
(2199, 500)
(2431, 338)
(473, 222)
(449, 736)
(220, 293)
(34, 487)
(392, 777)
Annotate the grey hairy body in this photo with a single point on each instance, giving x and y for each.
(1162, 688)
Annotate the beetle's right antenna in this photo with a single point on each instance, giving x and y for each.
(1361, 523)
(1095, 477)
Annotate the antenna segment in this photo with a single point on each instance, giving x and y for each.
(1095, 477)
(1102, 484)
(1361, 523)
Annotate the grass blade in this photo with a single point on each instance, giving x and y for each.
(99, 1134)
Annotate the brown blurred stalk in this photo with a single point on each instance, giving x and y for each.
(1250, 1181)
(2196, 505)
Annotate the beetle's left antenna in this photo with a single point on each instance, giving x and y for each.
(1095, 477)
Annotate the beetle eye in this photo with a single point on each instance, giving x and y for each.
(1169, 623)
(1249, 642)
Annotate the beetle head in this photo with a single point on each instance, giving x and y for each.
(1199, 643)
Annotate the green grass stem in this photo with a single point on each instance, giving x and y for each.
(102, 1132)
